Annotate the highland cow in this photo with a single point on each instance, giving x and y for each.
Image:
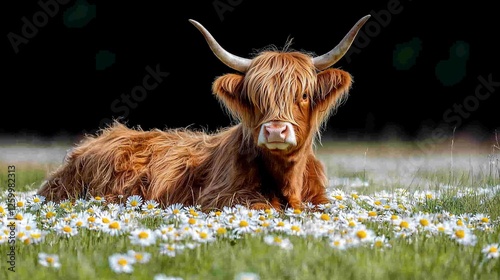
(281, 100)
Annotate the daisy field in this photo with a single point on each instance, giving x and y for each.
(394, 213)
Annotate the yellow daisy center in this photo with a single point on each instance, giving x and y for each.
(203, 235)
(361, 234)
(143, 235)
(176, 211)
(485, 220)
(50, 260)
(493, 249)
(404, 224)
(295, 228)
(191, 221)
(122, 262)
(105, 220)
(114, 225)
(460, 233)
(67, 229)
(372, 214)
(221, 231)
(297, 211)
(20, 204)
(324, 217)
(424, 222)
(36, 200)
(243, 224)
(278, 239)
(134, 203)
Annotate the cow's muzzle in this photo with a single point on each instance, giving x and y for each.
(277, 135)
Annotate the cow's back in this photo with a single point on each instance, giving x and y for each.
(124, 161)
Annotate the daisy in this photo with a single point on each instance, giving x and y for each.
(133, 202)
(362, 234)
(121, 263)
(337, 242)
(35, 202)
(491, 251)
(171, 249)
(143, 237)
(165, 232)
(80, 221)
(103, 217)
(21, 203)
(175, 212)
(279, 241)
(150, 206)
(140, 257)
(203, 236)
(380, 242)
(464, 236)
(113, 228)
(98, 200)
(279, 224)
(64, 229)
(296, 213)
(49, 260)
(295, 228)
(3, 209)
(36, 236)
(243, 225)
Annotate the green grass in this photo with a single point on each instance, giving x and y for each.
(419, 256)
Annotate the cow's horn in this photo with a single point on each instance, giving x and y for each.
(328, 59)
(237, 63)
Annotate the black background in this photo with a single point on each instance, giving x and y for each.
(51, 86)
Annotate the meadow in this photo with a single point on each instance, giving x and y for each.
(396, 211)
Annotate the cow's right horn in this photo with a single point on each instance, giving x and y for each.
(235, 62)
(328, 59)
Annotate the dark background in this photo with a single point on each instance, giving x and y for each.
(57, 84)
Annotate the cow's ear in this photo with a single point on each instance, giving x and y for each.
(227, 89)
(332, 87)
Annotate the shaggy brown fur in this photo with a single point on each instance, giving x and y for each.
(223, 168)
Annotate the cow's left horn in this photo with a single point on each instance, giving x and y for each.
(237, 63)
(328, 59)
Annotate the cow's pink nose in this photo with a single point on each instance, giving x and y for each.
(276, 133)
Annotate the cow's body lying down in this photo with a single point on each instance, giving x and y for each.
(180, 166)
(281, 102)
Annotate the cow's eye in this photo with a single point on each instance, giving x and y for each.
(304, 96)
